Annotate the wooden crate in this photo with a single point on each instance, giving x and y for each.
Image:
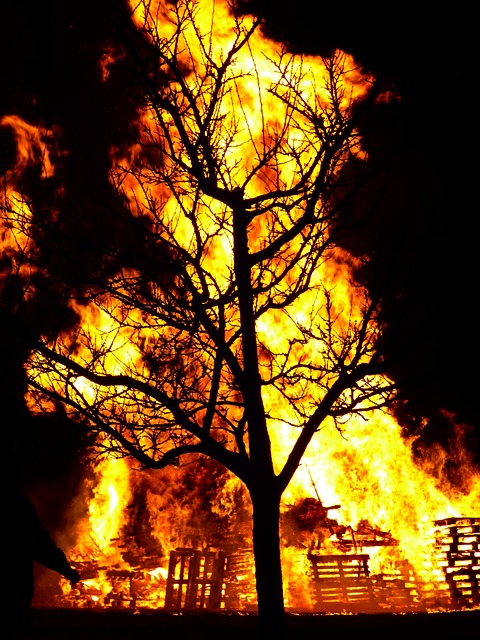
(342, 582)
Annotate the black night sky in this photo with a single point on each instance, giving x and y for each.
(422, 234)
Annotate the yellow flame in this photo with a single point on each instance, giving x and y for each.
(369, 470)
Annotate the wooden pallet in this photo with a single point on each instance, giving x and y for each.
(210, 580)
(395, 592)
(401, 590)
(239, 590)
(194, 580)
(457, 542)
(342, 583)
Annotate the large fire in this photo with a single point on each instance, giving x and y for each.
(361, 492)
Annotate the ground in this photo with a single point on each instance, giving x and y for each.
(73, 624)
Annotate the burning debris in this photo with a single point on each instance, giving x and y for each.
(307, 524)
(179, 539)
(338, 572)
(366, 535)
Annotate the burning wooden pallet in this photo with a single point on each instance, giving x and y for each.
(458, 554)
(209, 580)
(239, 582)
(342, 582)
(194, 580)
(402, 590)
(396, 590)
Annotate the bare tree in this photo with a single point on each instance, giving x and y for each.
(236, 194)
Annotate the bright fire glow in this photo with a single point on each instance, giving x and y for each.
(368, 473)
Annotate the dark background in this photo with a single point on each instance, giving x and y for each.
(73, 624)
(422, 232)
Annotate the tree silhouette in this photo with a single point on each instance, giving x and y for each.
(225, 314)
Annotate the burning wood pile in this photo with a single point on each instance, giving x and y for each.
(339, 582)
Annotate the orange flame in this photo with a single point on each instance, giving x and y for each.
(369, 470)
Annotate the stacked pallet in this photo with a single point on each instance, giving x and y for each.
(342, 583)
(401, 589)
(397, 590)
(458, 555)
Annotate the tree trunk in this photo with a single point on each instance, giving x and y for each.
(268, 567)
